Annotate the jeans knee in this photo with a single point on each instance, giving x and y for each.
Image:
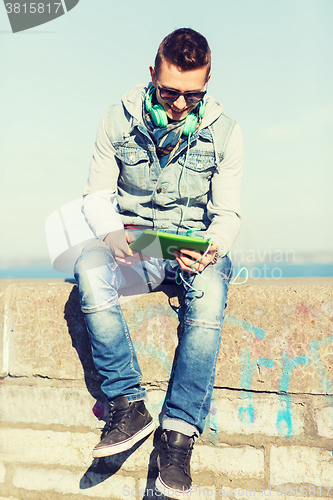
(98, 278)
(94, 255)
(209, 307)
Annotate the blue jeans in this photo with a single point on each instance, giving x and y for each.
(99, 278)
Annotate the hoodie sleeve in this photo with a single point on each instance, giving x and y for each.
(224, 205)
(104, 169)
(99, 202)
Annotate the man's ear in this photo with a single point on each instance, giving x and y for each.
(208, 77)
(153, 75)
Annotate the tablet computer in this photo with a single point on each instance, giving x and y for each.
(162, 245)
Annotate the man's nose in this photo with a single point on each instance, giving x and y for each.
(180, 103)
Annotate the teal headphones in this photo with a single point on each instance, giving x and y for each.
(160, 119)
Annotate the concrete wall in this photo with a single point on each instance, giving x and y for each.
(270, 429)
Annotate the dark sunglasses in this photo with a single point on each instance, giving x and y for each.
(172, 95)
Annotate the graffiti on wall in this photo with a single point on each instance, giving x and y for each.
(248, 368)
(39, 336)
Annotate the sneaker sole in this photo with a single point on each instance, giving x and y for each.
(123, 445)
(170, 492)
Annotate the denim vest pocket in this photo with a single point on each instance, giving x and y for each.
(134, 168)
(199, 169)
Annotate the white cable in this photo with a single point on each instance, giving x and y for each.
(232, 282)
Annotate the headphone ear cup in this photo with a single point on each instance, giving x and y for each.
(157, 113)
(202, 109)
(159, 116)
(191, 121)
(190, 124)
(148, 103)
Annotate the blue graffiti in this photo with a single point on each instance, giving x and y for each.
(284, 420)
(246, 414)
(326, 384)
(257, 332)
(288, 368)
(314, 346)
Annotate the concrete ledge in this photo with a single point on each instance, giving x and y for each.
(277, 336)
(271, 422)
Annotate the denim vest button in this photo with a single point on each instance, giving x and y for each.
(159, 190)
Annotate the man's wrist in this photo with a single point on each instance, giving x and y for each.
(216, 256)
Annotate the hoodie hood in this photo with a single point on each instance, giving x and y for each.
(134, 98)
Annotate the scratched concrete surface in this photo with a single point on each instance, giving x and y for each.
(3, 288)
(277, 336)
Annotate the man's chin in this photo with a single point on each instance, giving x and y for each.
(177, 116)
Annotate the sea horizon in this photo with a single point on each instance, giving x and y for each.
(255, 270)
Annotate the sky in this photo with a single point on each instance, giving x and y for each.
(271, 68)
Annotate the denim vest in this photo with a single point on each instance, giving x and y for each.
(158, 197)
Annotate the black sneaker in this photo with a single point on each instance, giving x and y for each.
(129, 423)
(174, 478)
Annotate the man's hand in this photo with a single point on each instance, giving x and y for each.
(187, 257)
(118, 242)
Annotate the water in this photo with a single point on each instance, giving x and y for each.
(33, 272)
(258, 270)
(269, 270)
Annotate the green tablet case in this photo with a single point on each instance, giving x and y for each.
(162, 245)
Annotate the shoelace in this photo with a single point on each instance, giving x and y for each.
(116, 417)
(177, 456)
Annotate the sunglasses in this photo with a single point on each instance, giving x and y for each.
(172, 95)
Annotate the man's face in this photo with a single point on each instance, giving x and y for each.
(170, 77)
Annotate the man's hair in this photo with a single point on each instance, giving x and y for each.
(185, 48)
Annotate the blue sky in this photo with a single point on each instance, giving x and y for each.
(272, 70)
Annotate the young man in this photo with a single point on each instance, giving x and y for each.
(166, 158)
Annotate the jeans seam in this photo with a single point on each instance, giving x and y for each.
(103, 307)
(202, 323)
(211, 376)
(128, 338)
